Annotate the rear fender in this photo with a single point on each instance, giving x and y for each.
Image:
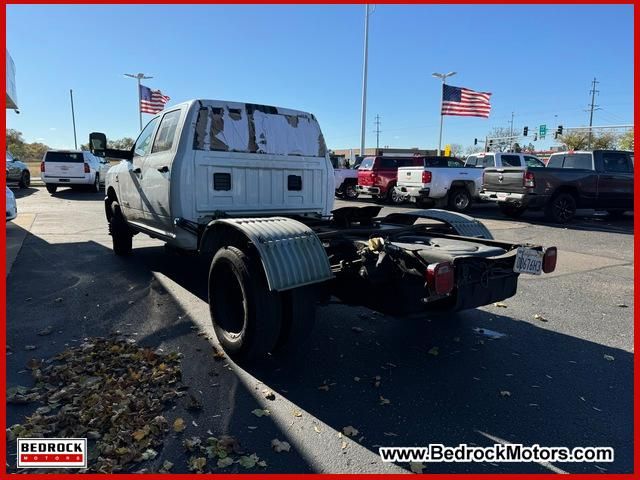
(291, 253)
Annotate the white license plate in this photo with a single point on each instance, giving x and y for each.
(528, 261)
(501, 195)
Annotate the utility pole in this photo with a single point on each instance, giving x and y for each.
(139, 76)
(511, 129)
(363, 120)
(377, 132)
(443, 77)
(73, 119)
(592, 107)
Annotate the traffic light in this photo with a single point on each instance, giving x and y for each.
(525, 132)
(559, 130)
(475, 141)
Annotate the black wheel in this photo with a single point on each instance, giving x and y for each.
(25, 179)
(121, 235)
(350, 192)
(511, 211)
(459, 199)
(298, 320)
(52, 189)
(96, 184)
(561, 208)
(392, 196)
(246, 316)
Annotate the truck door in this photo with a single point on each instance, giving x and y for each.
(156, 173)
(615, 180)
(132, 195)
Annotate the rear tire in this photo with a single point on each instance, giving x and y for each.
(459, 200)
(52, 189)
(392, 196)
(561, 208)
(25, 179)
(298, 320)
(350, 192)
(246, 316)
(511, 211)
(121, 235)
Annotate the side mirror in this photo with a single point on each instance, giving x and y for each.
(98, 143)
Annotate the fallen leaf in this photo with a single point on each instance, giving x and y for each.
(261, 463)
(225, 462)
(268, 394)
(384, 401)
(178, 425)
(149, 454)
(350, 431)
(192, 443)
(540, 318)
(434, 351)
(416, 467)
(344, 445)
(357, 379)
(196, 464)
(505, 393)
(297, 413)
(259, 412)
(166, 466)
(279, 446)
(500, 305)
(609, 358)
(141, 433)
(317, 430)
(248, 461)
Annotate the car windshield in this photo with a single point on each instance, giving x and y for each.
(69, 157)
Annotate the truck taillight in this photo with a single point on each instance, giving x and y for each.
(42, 166)
(529, 179)
(426, 176)
(440, 277)
(86, 168)
(549, 259)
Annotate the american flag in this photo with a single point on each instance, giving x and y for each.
(152, 101)
(464, 102)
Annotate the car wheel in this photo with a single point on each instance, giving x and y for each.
(511, 211)
(25, 179)
(246, 316)
(121, 236)
(298, 320)
(561, 208)
(52, 189)
(350, 192)
(459, 200)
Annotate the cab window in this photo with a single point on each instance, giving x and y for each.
(143, 143)
(533, 162)
(471, 161)
(488, 161)
(616, 162)
(510, 161)
(166, 132)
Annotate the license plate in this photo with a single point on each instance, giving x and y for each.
(501, 196)
(528, 261)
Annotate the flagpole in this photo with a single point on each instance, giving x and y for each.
(443, 77)
(139, 76)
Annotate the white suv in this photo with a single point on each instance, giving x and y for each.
(73, 168)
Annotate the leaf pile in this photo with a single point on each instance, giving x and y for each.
(108, 390)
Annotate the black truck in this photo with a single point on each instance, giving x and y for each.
(601, 179)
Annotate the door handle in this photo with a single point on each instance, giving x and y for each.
(137, 171)
(163, 169)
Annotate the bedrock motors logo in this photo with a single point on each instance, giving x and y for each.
(52, 453)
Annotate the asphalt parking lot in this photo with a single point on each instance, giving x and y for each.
(553, 366)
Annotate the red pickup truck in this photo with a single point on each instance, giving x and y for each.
(377, 176)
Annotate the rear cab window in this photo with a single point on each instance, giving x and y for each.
(616, 162)
(487, 161)
(533, 161)
(471, 161)
(367, 164)
(67, 157)
(511, 161)
(387, 164)
(583, 161)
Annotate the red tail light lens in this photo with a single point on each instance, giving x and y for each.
(426, 176)
(441, 277)
(42, 166)
(86, 168)
(549, 259)
(529, 179)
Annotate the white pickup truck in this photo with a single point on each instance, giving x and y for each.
(250, 188)
(441, 181)
(346, 179)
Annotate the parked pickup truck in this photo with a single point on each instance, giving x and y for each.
(502, 159)
(377, 176)
(346, 180)
(440, 181)
(602, 179)
(250, 188)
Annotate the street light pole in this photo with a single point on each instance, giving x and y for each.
(443, 77)
(139, 76)
(363, 120)
(73, 119)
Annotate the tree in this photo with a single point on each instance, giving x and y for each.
(23, 150)
(456, 149)
(578, 139)
(604, 141)
(471, 149)
(625, 141)
(502, 143)
(124, 143)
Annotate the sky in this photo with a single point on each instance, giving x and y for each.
(538, 61)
